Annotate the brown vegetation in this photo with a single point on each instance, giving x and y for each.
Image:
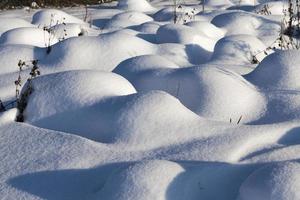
(7, 4)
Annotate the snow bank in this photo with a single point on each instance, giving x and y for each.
(145, 180)
(277, 71)
(140, 5)
(28, 36)
(276, 181)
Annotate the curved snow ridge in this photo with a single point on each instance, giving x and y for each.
(278, 153)
(104, 52)
(133, 5)
(52, 17)
(274, 181)
(145, 180)
(201, 89)
(232, 143)
(28, 36)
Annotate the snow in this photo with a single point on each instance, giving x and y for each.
(126, 19)
(278, 181)
(133, 184)
(28, 36)
(131, 106)
(176, 33)
(278, 71)
(9, 23)
(53, 17)
(141, 5)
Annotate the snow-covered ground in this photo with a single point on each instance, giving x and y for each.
(131, 106)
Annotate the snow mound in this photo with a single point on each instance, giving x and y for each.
(276, 181)
(28, 36)
(11, 54)
(238, 49)
(103, 52)
(8, 116)
(201, 89)
(207, 29)
(64, 31)
(52, 17)
(256, 25)
(12, 23)
(140, 5)
(278, 71)
(138, 119)
(126, 19)
(148, 27)
(61, 92)
(176, 33)
(218, 3)
(143, 63)
(145, 180)
(167, 14)
(274, 7)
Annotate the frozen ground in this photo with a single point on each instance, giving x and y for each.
(140, 108)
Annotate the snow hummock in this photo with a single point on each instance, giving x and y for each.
(126, 19)
(28, 36)
(201, 89)
(278, 71)
(176, 33)
(51, 17)
(97, 52)
(140, 5)
(64, 95)
(278, 181)
(131, 182)
(238, 48)
(9, 23)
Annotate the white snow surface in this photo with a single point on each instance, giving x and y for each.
(130, 106)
